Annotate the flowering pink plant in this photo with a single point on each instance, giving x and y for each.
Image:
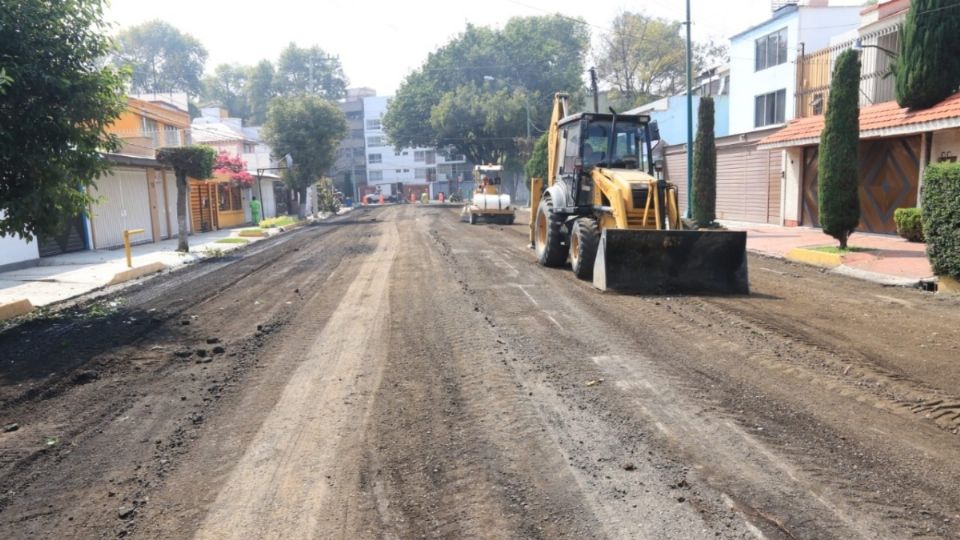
(235, 168)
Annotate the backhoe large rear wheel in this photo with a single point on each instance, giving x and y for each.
(548, 236)
(584, 239)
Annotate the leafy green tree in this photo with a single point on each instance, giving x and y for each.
(927, 69)
(259, 91)
(475, 89)
(58, 101)
(536, 166)
(309, 129)
(643, 58)
(705, 166)
(161, 58)
(186, 161)
(309, 71)
(838, 177)
(497, 116)
(227, 88)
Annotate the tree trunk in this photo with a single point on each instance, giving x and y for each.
(182, 188)
(843, 239)
(302, 192)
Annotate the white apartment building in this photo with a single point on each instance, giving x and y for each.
(408, 170)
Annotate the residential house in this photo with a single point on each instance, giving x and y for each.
(219, 203)
(895, 144)
(138, 193)
(762, 82)
(408, 171)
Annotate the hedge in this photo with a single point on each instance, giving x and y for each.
(909, 223)
(941, 217)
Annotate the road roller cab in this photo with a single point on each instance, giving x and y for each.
(488, 203)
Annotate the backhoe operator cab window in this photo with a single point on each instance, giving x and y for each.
(630, 149)
(570, 145)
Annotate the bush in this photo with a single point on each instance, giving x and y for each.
(909, 224)
(941, 217)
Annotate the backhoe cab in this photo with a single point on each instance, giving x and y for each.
(604, 211)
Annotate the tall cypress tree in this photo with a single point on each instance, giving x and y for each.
(838, 177)
(705, 166)
(928, 66)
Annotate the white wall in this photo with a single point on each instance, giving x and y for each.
(819, 25)
(746, 83)
(14, 249)
(945, 144)
(268, 202)
(793, 171)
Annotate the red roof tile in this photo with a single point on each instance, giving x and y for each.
(872, 118)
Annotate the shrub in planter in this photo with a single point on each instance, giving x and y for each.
(941, 217)
(909, 223)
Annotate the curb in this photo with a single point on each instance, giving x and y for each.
(815, 258)
(16, 308)
(880, 279)
(948, 285)
(136, 272)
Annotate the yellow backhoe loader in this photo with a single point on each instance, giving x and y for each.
(603, 209)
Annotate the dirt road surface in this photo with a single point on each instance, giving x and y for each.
(395, 373)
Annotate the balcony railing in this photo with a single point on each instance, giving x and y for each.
(876, 79)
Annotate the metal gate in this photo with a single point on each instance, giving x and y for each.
(70, 238)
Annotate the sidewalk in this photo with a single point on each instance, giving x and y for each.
(64, 276)
(895, 261)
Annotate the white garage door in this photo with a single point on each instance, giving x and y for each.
(124, 204)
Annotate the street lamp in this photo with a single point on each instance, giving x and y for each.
(858, 46)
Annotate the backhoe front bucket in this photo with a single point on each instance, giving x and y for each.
(670, 262)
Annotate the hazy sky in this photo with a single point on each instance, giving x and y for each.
(380, 41)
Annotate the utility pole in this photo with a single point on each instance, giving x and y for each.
(689, 120)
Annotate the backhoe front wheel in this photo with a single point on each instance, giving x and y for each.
(548, 236)
(584, 239)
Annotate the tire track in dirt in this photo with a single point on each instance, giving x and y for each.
(280, 484)
(689, 347)
(459, 450)
(122, 432)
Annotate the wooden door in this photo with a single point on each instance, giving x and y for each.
(889, 171)
(810, 206)
(889, 179)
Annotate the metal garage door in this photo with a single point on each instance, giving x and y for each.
(124, 204)
(748, 184)
(748, 180)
